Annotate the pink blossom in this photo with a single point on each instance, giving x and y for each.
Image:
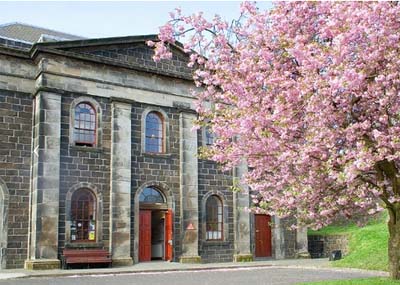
(308, 95)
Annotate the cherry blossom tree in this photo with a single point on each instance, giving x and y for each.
(307, 94)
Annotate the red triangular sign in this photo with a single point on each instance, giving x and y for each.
(190, 227)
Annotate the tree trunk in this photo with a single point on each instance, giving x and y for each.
(394, 241)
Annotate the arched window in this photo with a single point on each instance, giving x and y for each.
(83, 216)
(154, 133)
(85, 125)
(214, 218)
(151, 195)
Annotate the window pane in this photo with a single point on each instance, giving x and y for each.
(214, 219)
(154, 133)
(151, 195)
(85, 125)
(83, 213)
(209, 136)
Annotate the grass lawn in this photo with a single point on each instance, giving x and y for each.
(368, 246)
(367, 281)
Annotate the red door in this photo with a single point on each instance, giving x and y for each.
(168, 235)
(263, 236)
(145, 235)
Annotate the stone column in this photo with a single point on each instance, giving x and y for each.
(189, 214)
(278, 239)
(241, 218)
(302, 243)
(44, 212)
(120, 200)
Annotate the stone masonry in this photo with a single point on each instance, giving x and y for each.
(15, 160)
(41, 166)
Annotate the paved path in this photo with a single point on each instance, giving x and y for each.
(288, 271)
(268, 275)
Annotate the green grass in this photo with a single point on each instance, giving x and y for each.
(367, 247)
(366, 281)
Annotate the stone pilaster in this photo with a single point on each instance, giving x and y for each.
(241, 218)
(120, 200)
(43, 242)
(302, 243)
(278, 240)
(189, 189)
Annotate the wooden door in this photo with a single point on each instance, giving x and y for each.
(263, 236)
(145, 235)
(168, 235)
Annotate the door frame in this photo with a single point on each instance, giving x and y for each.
(147, 255)
(270, 234)
(168, 235)
(170, 204)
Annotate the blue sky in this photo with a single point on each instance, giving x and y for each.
(108, 19)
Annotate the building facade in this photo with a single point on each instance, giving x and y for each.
(97, 151)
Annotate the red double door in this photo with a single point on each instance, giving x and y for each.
(263, 236)
(145, 235)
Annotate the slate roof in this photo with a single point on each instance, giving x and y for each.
(31, 34)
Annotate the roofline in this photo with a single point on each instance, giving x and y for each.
(56, 49)
(38, 27)
(103, 41)
(98, 41)
(100, 60)
(15, 51)
(16, 40)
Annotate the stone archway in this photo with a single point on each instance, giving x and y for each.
(3, 223)
(169, 202)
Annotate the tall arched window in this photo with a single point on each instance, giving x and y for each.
(85, 125)
(214, 218)
(154, 133)
(83, 216)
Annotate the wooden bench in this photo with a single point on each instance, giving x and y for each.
(85, 256)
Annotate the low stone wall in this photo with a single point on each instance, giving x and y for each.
(216, 251)
(329, 243)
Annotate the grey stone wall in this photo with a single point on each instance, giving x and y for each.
(331, 243)
(15, 158)
(289, 238)
(157, 168)
(213, 179)
(85, 166)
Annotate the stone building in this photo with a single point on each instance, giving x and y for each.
(96, 151)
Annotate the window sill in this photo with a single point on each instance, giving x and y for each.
(88, 244)
(208, 161)
(216, 242)
(86, 148)
(157, 154)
